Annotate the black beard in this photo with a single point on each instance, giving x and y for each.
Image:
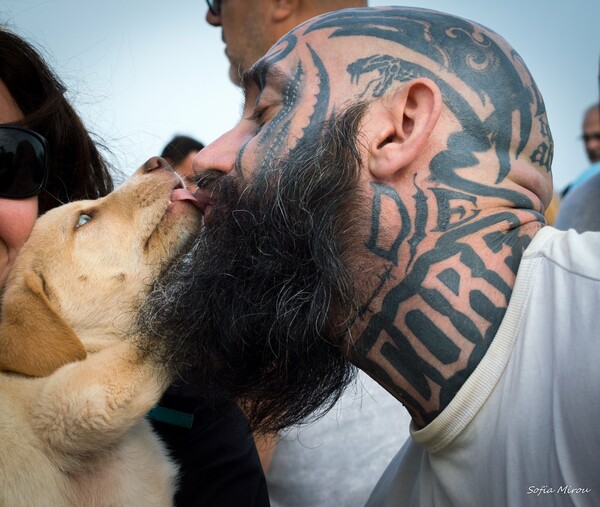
(261, 309)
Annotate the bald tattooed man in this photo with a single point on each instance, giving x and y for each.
(381, 204)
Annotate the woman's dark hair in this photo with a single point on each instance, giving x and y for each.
(77, 169)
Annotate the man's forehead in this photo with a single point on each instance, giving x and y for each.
(592, 116)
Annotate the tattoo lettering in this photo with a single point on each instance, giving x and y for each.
(435, 324)
(389, 253)
(421, 214)
(544, 153)
(454, 215)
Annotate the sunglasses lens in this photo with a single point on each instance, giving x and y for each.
(22, 162)
(214, 6)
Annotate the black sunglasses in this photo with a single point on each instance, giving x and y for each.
(214, 6)
(23, 162)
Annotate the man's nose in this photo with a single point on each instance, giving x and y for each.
(593, 141)
(220, 155)
(213, 19)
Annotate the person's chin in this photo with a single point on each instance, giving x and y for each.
(234, 75)
(235, 67)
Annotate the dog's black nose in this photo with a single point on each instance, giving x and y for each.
(155, 163)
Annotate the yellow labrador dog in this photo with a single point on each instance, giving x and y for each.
(74, 389)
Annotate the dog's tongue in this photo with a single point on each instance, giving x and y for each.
(183, 194)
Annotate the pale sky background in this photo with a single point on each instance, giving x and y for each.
(140, 71)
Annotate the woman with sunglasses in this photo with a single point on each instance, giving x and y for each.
(46, 155)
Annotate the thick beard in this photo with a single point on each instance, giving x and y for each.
(261, 309)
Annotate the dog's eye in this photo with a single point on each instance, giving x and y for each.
(82, 220)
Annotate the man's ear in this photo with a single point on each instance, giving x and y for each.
(284, 9)
(400, 125)
(34, 339)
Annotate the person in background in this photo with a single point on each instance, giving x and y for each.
(249, 28)
(179, 153)
(322, 463)
(34, 113)
(591, 141)
(380, 204)
(591, 133)
(580, 206)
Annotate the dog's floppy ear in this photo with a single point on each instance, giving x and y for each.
(34, 339)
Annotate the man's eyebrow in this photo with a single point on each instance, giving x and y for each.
(261, 72)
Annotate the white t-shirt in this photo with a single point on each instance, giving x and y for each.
(525, 427)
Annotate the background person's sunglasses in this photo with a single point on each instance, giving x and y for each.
(214, 6)
(23, 162)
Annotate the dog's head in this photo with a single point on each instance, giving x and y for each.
(87, 266)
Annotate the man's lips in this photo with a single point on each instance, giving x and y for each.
(203, 201)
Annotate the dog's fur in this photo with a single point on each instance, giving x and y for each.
(74, 389)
